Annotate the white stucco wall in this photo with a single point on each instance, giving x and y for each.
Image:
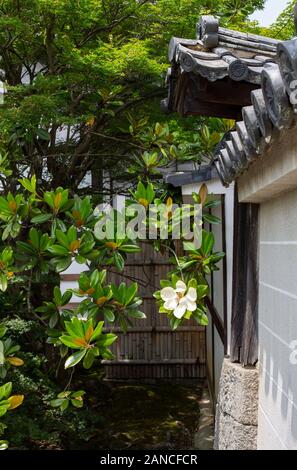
(278, 323)
(215, 187)
(215, 350)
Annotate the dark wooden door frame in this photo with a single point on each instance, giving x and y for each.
(244, 321)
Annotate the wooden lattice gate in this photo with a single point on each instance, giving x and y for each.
(149, 349)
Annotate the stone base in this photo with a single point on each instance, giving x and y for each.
(237, 408)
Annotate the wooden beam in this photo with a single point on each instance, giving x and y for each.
(140, 362)
(195, 95)
(216, 319)
(244, 323)
(156, 329)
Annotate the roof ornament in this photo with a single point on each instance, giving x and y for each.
(228, 166)
(238, 157)
(247, 144)
(208, 31)
(287, 52)
(276, 99)
(264, 123)
(252, 126)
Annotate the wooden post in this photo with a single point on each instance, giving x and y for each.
(244, 324)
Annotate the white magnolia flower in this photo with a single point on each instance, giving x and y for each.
(179, 299)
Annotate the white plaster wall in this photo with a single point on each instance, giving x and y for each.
(215, 187)
(215, 349)
(278, 323)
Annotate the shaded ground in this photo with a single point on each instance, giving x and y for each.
(115, 416)
(146, 416)
(163, 416)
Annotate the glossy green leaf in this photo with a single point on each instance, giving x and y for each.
(58, 250)
(88, 359)
(57, 296)
(3, 330)
(62, 239)
(69, 341)
(207, 242)
(34, 238)
(57, 402)
(109, 315)
(78, 403)
(66, 297)
(61, 264)
(106, 340)
(136, 314)
(5, 390)
(3, 445)
(174, 323)
(41, 218)
(75, 358)
(98, 331)
(130, 293)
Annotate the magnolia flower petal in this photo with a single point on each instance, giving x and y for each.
(192, 294)
(181, 287)
(180, 311)
(191, 306)
(171, 304)
(168, 293)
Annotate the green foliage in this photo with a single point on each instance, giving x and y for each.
(144, 195)
(100, 67)
(7, 353)
(203, 260)
(284, 27)
(88, 339)
(69, 246)
(6, 268)
(7, 402)
(64, 399)
(239, 10)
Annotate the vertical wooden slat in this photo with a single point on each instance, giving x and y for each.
(154, 346)
(225, 274)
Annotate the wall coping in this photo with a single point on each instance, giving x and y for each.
(273, 173)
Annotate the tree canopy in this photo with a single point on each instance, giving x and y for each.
(85, 77)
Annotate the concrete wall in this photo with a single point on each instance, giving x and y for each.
(278, 323)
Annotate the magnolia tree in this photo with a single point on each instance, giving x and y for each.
(44, 232)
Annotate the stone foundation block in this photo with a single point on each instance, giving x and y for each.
(237, 408)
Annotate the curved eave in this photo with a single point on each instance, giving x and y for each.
(218, 52)
(215, 66)
(273, 111)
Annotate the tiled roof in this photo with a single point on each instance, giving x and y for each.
(272, 111)
(218, 52)
(268, 64)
